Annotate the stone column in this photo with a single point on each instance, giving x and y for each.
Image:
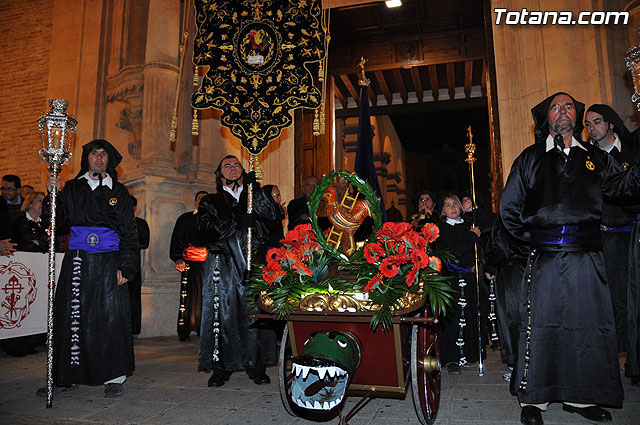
(163, 194)
(160, 73)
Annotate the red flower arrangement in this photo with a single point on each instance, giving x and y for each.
(394, 264)
(400, 252)
(295, 255)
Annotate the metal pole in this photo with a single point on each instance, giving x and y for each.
(51, 286)
(252, 159)
(471, 148)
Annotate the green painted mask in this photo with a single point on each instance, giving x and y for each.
(324, 370)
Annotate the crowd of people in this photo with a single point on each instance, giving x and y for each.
(561, 259)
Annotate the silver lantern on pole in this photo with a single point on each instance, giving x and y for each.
(57, 128)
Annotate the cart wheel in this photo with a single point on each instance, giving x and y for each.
(284, 372)
(425, 372)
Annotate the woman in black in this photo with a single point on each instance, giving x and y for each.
(29, 232)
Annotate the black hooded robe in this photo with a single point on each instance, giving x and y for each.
(460, 241)
(617, 220)
(185, 234)
(243, 343)
(505, 258)
(572, 326)
(106, 343)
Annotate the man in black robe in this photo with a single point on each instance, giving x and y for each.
(298, 209)
(92, 341)
(552, 201)
(608, 132)
(229, 339)
(135, 284)
(188, 253)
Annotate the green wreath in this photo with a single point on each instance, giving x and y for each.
(369, 194)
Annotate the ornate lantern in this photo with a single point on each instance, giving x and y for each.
(633, 63)
(57, 128)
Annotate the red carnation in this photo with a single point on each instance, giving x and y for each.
(431, 232)
(435, 263)
(374, 280)
(420, 259)
(274, 255)
(272, 274)
(388, 268)
(410, 278)
(373, 252)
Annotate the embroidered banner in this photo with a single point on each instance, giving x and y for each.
(23, 293)
(256, 52)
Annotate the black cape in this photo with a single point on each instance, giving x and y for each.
(459, 241)
(106, 343)
(572, 319)
(185, 234)
(243, 342)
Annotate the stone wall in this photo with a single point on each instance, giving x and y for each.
(535, 61)
(24, 69)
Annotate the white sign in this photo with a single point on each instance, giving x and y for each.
(23, 293)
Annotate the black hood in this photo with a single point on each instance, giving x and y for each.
(218, 173)
(114, 157)
(610, 116)
(540, 111)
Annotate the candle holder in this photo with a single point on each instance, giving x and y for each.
(57, 128)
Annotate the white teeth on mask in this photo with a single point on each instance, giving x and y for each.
(305, 371)
(308, 405)
(325, 406)
(321, 372)
(317, 406)
(332, 372)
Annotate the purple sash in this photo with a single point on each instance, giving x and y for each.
(94, 240)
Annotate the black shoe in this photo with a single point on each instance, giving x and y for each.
(218, 378)
(112, 390)
(635, 380)
(593, 413)
(184, 338)
(453, 369)
(531, 415)
(42, 392)
(261, 378)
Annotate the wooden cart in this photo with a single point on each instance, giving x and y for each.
(407, 354)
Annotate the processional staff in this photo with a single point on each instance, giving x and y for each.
(57, 128)
(470, 148)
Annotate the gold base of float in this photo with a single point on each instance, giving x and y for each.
(339, 303)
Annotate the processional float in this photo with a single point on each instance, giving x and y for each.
(257, 55)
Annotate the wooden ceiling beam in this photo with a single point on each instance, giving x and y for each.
(397, 76)
(415, 108)
(483, 82)
(417, 84)
(373, 97)
(352, 90)
(341, 97)
(451, 80)
(468, 74)
(383, 86)
(433, 78)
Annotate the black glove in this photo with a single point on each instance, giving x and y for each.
(249, 178)
(247, 220)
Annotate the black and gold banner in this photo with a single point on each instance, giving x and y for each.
(256, 51)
